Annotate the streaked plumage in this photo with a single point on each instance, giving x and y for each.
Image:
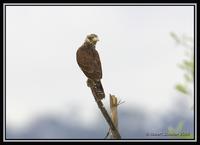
(89, 62)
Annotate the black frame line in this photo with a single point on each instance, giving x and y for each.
(104, 5)
(102, 140)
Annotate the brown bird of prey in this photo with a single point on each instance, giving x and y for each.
(88, 60)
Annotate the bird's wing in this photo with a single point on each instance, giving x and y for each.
(97, 64)
(90, 64)
(85, 63)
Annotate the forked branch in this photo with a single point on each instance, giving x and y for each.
(113, 128)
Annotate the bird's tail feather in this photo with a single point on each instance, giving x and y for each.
(100, 90)
(97, 90)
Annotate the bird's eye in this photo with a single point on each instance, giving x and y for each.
(90, 38)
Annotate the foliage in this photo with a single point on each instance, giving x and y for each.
(179, 132)
(187, 65)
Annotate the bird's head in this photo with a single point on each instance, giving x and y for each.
(92, 39)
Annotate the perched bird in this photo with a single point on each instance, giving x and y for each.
(88, 60)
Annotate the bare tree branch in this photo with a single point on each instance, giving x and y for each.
(113, 108)
(114, 130)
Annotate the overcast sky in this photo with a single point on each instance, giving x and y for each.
(139, 58)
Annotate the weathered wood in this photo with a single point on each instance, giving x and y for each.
(113, 108)
(114, 130)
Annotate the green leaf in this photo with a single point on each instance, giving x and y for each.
(188, 78)
(180, 127)
(175, 37)
(171, 131)
(181, 88)
(179, 132)
(187, 65)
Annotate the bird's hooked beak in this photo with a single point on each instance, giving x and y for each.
(92, 39)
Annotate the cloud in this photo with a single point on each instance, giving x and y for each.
(134, 123)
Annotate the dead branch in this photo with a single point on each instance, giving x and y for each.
(114, 130)
(113, 108)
